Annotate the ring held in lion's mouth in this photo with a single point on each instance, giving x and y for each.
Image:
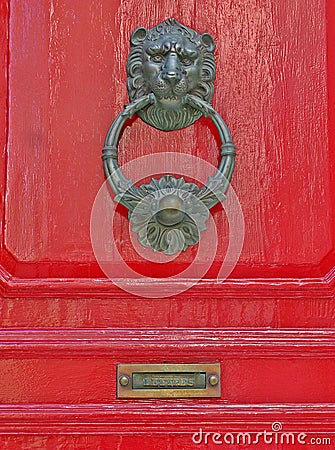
(171, 69)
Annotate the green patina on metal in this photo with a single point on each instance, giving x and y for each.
(170, 69)
(170, 61)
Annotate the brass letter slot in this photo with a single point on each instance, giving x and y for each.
(168, 380)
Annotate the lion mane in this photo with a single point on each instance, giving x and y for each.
(154, 114)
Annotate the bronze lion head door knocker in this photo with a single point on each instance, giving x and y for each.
(171, 69)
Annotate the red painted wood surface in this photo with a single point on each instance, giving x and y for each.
(271, 89)
(65, 326)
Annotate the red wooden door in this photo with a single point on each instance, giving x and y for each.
(65, 325)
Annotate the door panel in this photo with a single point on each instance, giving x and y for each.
(65, 326)
(271, 89)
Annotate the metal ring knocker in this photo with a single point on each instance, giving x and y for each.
(170, 73)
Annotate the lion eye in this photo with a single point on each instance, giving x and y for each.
(157, 58)
(186, 61)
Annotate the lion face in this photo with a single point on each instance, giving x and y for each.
(170, 61)
(171, 69)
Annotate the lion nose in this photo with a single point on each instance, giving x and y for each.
(171, 70)
(172, 76)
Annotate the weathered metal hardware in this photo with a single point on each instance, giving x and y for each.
(170, 69)
(168, 380)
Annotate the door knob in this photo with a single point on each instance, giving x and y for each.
(171, 69)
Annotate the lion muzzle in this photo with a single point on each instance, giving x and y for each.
(171, 70)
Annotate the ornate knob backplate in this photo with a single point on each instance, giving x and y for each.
(171, 69)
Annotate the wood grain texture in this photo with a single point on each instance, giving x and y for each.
(64, 326)
(193, 311)
(127, 418)
(79, 366)
(61, 286)
(271, 88)
(4, 60)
